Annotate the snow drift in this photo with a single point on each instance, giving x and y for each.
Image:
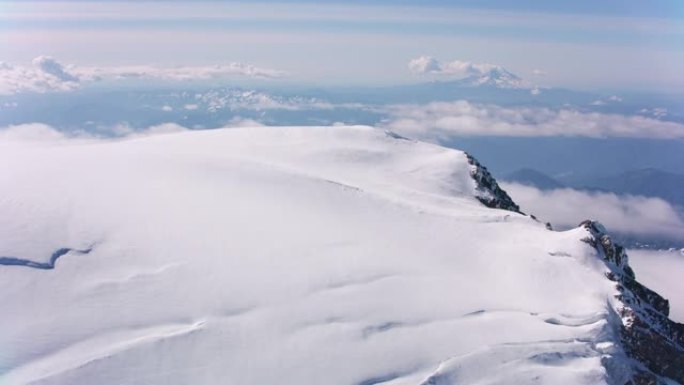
(290, 255)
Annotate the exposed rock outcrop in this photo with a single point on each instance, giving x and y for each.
(648, 336)
(653, 343)
(489, 192)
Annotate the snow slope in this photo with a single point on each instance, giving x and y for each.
(293, 255)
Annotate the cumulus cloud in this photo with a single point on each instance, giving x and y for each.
(662, 271)
(633, 215)
(32, 132)
(52, 67)
(429, 65)
(46, 74)
(439, 120)
(425, 65)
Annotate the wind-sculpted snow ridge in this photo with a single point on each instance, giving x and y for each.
(295, 255)
(654, 341)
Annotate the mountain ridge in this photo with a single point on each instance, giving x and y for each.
(343, 253)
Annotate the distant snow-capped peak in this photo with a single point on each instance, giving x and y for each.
(470, 74)
(497, 77)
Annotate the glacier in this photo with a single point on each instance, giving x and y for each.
(294, 255)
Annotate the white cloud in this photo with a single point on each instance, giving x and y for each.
(425, 65)
(609, 100)
(657, 112)
(167, 108)
(538, 72)
(462, 118)
(662, 271)
(47, 74)
(178, 73)
(32, 132)
(52, 67)
(191, 107)
(635, 215)
(429, 65)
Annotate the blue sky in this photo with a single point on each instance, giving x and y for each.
(579, 44)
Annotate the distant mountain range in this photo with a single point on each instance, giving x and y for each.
(649, 182)
(216, 105)
(530, 177)
(646, 182)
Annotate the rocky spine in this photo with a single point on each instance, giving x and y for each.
(648, 336)
(489, 191)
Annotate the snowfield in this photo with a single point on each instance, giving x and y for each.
(290, 255)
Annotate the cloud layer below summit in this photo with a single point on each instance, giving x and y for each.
(46, 74)
(464, 118)
(632, 215)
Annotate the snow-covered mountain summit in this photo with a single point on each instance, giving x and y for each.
(497, 77)
(300, 255)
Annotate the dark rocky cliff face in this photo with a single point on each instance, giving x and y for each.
(648, 336)
(490, 194)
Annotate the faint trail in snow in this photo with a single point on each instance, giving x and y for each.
(380, 379)
(593, 321)
(519, 362)
(559, 254)
(394, 135)
(234, 312)
(481, 312)
(391, 376)
(375, 329)
(343, 185)
(553, 319)
(473, 313)
(574, 321)
(134, 277)
(13, 261)
(358, 282)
